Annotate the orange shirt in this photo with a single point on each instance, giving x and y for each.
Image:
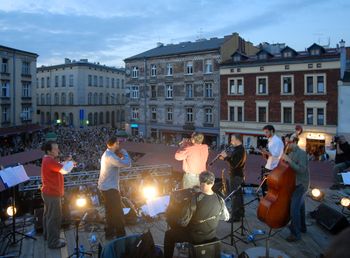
(51, 178)
(194, 158)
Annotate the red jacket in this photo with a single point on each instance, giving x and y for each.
(51, 178)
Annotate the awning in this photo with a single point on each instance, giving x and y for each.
(7, 131)
(245, 133)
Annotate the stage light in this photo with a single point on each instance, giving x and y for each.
(58, 121)
(149, 192)
(345, 202)
(317, 194)
(11, 211)
(81, 201)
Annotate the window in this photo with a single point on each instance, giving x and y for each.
(262, 56)
(26, 90)
(135, 72)
(89, 98)
(320, 116)
(309, 116)
(189, 67)
(153, 113)
(135, 113)
(262, 114)
(100, 99)
(122, 83)
(169, 69)
(48, 99)
(169, 112)
(5, 115)
(153, 70)
(118, 98)
(208, 90)
(153, 91)
(112, 82)
(134, 92)
(25, 115)
(320, 84)
(189, 115)
(261, 86)
(71, 98)
(5, 89)
(107, 98)
(235, 109)
(90, 80)
(287, 115)
(25, 68)
(47, 82)
(315, 52)
(236, 86)
(236, 58)
(42, 99)
(71, 80)
(101, 81)
(287, 54)
(95, 80)
(315, 84)
(42, 82)
(208, 66)
(56, 99)
(262, 107)
(63, 81)
(4, 65)
(287, 86)
(169, 91)
(189, 91)
(56, 81)
(209, 115)
(63, 99)
(107, 82)
(95, 98)
(118, 85)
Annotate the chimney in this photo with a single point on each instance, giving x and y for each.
(342, 58)
(160, 44)
(67, 61)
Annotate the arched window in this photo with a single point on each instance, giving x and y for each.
(107, 99)
(118, 98)
(95, 98)
(42, 99)
(95, 118)
(90, 119)
(71, 119)
(89, 98)
(122, 115)
(113, 99)
(63, 98)
(118, 116)
(107, 117)
(57, 99)
(71, 98)
(101, 99)
(48, 99)
(48, 118)
(101, 118)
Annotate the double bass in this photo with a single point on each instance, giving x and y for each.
(274, 208)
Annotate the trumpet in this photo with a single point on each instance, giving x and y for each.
(185, 142)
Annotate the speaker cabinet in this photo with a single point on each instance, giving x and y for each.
(330, 219)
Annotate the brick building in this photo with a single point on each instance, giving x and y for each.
(174, 89)
(283, 88)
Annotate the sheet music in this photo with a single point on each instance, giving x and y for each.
(346, 178)
(12, 176)
(156, 206)
(126, 210)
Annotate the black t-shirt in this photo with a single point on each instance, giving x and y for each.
(237, 161)
(208, 206)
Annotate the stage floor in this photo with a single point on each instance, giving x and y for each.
(313, 243)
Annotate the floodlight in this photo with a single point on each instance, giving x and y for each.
(11, 211)
(317, 194)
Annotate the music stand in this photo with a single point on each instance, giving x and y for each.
(77, 252)
(11, 177)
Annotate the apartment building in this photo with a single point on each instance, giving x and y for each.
(283, 88)
(18, 87)
(174, 89)
(81, 93)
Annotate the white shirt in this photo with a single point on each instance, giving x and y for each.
(276, 148)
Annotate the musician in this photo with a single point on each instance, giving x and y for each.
(274, 152)
(237, 160)
(298, 160)
(108, 183)
(210, 208)
(52, 191)
(194, 156)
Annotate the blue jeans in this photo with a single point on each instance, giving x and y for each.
(297, 212)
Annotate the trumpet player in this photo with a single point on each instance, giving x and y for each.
(237, 160)
(194, 155)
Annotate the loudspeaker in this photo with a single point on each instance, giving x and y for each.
(207, 250)
(330, 219)
(38, 220)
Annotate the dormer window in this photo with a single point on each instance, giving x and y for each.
(287, 54)
(315, 52)
(262, 56)
(236, 58)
